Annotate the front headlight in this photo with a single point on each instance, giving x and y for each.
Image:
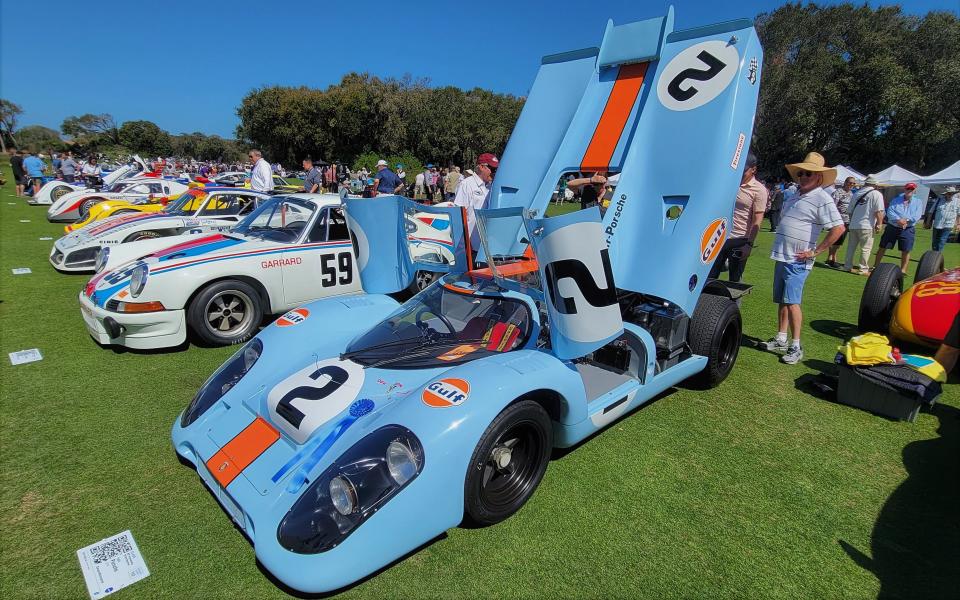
(351, 490)
(222, 381)
(102, 258)
(138, 279)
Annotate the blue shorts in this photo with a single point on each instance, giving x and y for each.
(903, 238)
(788, 280)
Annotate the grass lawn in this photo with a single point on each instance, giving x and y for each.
(754, 489)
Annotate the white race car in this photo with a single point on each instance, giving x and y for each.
(54, 190)
(289, 251)
(197, 211)
(74, 206)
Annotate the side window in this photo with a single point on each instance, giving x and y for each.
(223, 205)
(139, 189)
(155, 188)
(319, 231)
(338, 226)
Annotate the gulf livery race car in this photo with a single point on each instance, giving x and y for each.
(197, 211)
(54, 190)
(136, 193)
(923, 313)
(354, 430)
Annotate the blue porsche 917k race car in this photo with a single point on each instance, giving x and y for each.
(355, 429)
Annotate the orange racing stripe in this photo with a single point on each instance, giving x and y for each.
(237, 454)
(614, 118)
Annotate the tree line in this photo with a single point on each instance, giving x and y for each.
(867, 87)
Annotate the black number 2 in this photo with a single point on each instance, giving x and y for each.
(285, 408)
(344, 263)
(576, 270)
(714, 66)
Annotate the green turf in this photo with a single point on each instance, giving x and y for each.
(747, 491)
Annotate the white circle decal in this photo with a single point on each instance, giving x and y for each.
(697, 75)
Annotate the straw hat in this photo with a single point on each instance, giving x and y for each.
(816, 163)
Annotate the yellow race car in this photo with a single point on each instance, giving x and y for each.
(119, 206)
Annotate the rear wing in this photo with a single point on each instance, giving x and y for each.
(670, 111)
(394, 237)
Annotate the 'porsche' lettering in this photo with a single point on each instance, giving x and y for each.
(280, 262)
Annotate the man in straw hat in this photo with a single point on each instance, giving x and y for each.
(805, 214)
(902, 216)
(866, 218)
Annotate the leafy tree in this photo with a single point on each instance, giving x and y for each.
(92, 130)
(38, 138)
(9, 112)
(145, 137)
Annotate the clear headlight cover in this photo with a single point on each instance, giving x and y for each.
(102, 256)
(138, 279)
(351, 490)
(222, 381)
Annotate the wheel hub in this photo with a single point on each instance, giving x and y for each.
(501, 457)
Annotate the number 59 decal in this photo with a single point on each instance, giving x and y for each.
(697, 75)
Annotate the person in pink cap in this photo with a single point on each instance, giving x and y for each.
(902, 216)
(474, 191)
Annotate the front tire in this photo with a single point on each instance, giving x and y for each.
(715, 331)
(508, 463)
(880, 294)
(60, 191)
(86, 206)
(931, 263)
(226, 312)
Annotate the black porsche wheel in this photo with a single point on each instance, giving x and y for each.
(60, 191)
(508, 463)
(715, 331)
(422, 281)
(87, 205)
(226, 312)
(931, 263)
(142, 235)
(880, 294)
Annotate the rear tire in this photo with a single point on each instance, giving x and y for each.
(880, 294)
(715, 331)
(142, 235)
(225, 313)
(508, 463)
(422, 280)
(931, 263)
(60, 191)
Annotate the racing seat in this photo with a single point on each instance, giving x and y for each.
(497, 336)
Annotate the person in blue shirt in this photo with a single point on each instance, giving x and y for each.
(902, 216)
(387, 181)
(34, 168)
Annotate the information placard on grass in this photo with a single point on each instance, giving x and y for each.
(25, 356)
(111, 564)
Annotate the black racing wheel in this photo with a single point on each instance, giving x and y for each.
(931, 263)
(715, 333)
(880, 294)
(226, 312)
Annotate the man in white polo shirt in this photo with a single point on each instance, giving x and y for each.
(805, 214)
(473, 192)
(866, 219)
(261, 176)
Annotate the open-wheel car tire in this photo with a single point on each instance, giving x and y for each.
(508, 463)
(226, 312)
(930, 264)
(715, 330)
(883, 287)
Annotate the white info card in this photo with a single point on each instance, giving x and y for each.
(111, 564)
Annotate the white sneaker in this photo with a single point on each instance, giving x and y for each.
(793, 355)
(775, 345)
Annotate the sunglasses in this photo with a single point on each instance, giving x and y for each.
(805, 174)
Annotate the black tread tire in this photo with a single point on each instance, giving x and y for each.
(526, 413)
(86, 205)
(197, 319)
(883, 287)
(59, 191)
(422, 280)
(930, 264)
(143, 235)
(715, 331)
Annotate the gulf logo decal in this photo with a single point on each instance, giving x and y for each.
(712, 240)
(294, 317)
(446, 393)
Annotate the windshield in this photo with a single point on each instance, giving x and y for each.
(187, 203)
(440, 327)
(281, 219)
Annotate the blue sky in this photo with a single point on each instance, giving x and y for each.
(186, 66)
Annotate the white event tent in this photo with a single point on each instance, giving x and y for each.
(948, 176)
(895, 175)
(844, 171)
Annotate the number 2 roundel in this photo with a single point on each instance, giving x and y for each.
(697, 75)
(305, 401)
